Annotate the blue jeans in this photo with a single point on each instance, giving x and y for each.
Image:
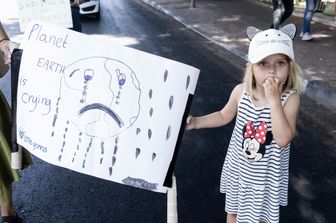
(308, 15)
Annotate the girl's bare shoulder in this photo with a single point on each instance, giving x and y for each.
(238, 90)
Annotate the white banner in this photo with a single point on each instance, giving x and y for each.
(98, 108)
(52, 11)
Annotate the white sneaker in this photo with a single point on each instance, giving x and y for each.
(307, 37)
(301, 34)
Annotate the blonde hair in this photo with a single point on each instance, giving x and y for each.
(293, 82)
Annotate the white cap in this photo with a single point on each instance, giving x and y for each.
(269, 42)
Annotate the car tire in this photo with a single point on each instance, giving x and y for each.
(98, 15)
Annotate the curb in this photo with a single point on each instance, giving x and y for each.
(319, 91)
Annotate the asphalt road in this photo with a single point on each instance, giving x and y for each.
(47, 193)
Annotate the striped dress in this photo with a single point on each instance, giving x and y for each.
(255, 172)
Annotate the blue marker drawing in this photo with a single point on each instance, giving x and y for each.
(103, 108)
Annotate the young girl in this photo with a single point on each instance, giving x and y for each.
(266, 105)
(7, 175)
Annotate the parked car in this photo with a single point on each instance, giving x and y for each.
(90, 8)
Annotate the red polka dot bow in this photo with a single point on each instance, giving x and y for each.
(259, 133)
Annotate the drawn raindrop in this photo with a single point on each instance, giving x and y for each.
(149, 133)
(150, 94)
(171, 102)
(115, 149)
(102, 147)
(78, 146)
(165, 76)
(102, 151)
(87, 151)
(55, 117)
(114, 159)
(137, 153)
(64, 140)
(168, 132)
(151, 112)
(138, 130)
(153, 156)
(188, 82)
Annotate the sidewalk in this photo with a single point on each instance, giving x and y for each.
(224, 22)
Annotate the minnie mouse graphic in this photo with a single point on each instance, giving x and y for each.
(255, 141)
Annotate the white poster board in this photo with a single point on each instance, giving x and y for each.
(98, 108)
(52, 11)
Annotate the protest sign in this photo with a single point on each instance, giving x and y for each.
(52, 11)
(99, 108)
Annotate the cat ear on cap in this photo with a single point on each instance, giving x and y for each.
(251, 31)
(289, 29)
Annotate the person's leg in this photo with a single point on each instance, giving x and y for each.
(8, 213)
(7, 209)
(231, 218)
(289, 8)
(77, 26)
(276, 14)
(308, 15)
(275, 4)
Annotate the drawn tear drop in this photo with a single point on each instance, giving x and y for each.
(150, 94)
(153, 156)
(171, 102)
(115, 149)
(168, 132)
(137, 153)
(138, 131)
(121, 77)
(188, 82)
(88, 74)
(165, 75)
(149, 133)
(110, 169)
(151, 112)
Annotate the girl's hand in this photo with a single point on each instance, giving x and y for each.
(5, 50)
(273, 88)
(190, 123)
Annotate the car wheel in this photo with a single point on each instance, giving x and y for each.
(98, 15)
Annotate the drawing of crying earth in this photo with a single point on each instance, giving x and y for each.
(101, 99)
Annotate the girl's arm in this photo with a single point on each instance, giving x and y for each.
(4, 45)
(218, 118)
(283, 118)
